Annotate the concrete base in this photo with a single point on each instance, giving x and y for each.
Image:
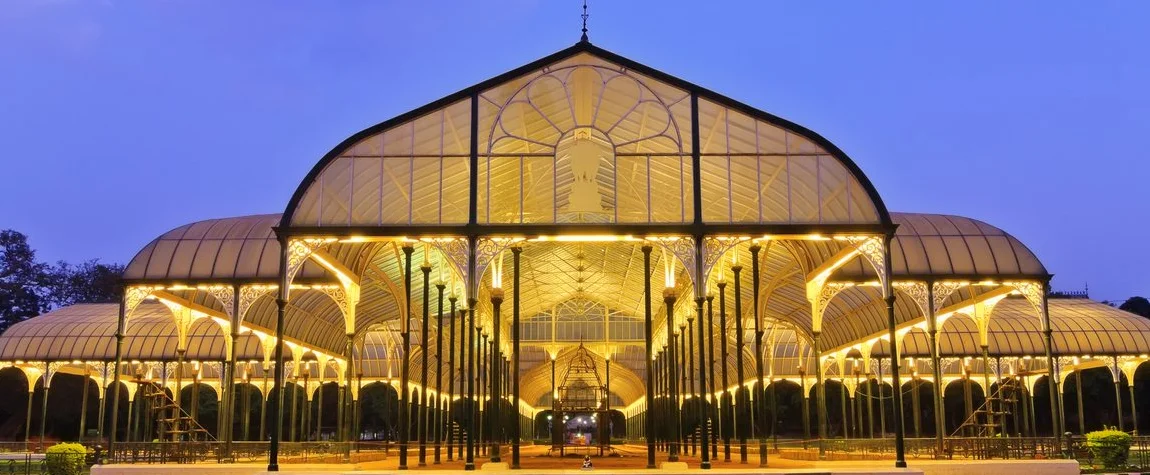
(495, 467)
(874, 467)
(1011, 467)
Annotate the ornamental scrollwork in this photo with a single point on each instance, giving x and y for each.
(918, 292)
(225, 295)
(134, 296)
(249, 294)
(456, 252)
(299, 250)
(822, 300)
(1034, 292)
(1129, 365)
(683, 248)
(871, 249)
(714, 248)
(943, 290)
(1112, 365)
(1062, 363)
(945, 364)
(995, 367)
(346, 298)
(50, 370)
(486, 251)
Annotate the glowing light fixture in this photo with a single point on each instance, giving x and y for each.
(585, 238)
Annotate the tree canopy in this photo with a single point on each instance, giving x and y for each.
(29, 287)
(1137, 306)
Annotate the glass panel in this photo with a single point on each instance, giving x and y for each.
(366, 190)
(632, 181)
(456, 190)
(833, 193)
(745, 195)
(396, 190)
(668, 200)
(538, 190)
(716, 189)
(803, 180)
(774, 190)
(426, 188)
(712, 128)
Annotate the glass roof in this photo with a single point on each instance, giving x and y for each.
(584, 136)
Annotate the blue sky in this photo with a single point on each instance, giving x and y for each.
(122, 119)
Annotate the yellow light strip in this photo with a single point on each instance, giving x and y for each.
(585, 238)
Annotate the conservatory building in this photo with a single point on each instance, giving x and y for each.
(603, 256)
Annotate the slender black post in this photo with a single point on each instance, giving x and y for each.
(405, 364)
(896, 393)
(421, 410)
(820, 392)
(555, 416)
(120, 324)
(484, 390)
(673, 399)
(496, 366)
(439, 374)
(472, 427)
(277, 402)
(760, 387)
(724, 400)
(712, 413)
(682, 372)
(689, 375)
(936, 370)
(648, 355)
(451, 377)
(704, 435)
(515, 434)
(741, 399)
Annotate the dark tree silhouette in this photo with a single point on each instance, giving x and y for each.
(88, 282)
(1137, 306)
(23, 281)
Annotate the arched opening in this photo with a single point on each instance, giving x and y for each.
(379, 414)
(246, 412)
(962, 397)
(13, 404)
(542, 426)
(293, 402)
(1091, 406)
(919, 393)
(325, 412)
(200, 402)
(786, 410)
(1011, 400)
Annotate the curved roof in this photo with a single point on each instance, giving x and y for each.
(414, 169)
(939, 245)
(239, 248)
(245, 249)
(1081, 327)
(86, 332)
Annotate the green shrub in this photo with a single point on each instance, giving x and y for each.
(65, 459)
(1109, 447)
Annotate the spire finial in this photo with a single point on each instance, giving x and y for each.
(583, 39)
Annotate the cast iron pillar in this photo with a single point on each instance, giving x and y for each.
(673, 396)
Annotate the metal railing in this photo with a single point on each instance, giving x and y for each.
(248, 452)
(954, 448)
(37, 464)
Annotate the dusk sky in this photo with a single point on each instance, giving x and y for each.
(120, 120)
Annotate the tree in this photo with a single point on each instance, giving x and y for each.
(88, 282)
(23, 281)
(1137, 306)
